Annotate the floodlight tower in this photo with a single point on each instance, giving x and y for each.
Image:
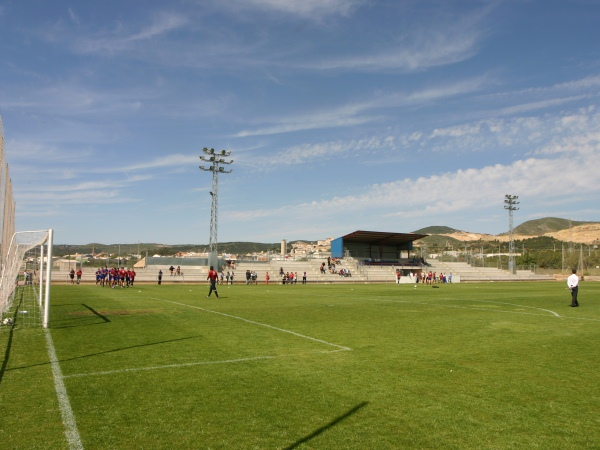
(215, 160)
(510, 202)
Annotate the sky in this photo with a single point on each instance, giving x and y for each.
(340, 115)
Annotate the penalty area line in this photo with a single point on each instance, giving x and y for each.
(283, 330)
(514, 304)
(197, 363)
(441, 305)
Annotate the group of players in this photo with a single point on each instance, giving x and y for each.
(115, 277)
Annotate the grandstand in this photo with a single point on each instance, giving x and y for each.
(359, 272)
(464, 272)
(369, 257)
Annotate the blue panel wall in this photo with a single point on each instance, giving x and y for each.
(337, 248)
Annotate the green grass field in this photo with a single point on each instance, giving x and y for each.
(483, 366)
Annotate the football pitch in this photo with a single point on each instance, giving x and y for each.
(482, 365)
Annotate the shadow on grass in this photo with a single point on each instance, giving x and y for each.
(99, 353)
(10, 339)
(80, 320)
(104, 318)
(326, 427)
(6, 354)
(62, 320)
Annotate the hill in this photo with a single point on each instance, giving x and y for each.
(166, 250)
(552, 227)
(562, 230)
(539, 227)
(436, 229)
(440, 240)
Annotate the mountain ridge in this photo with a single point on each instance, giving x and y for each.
(561, 229)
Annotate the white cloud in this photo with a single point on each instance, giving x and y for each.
(541, 104)
(352, 114)
(87, 197)
(461, 191)
(308, 9)
(74, 16)
(22, 152)
(436, 50)
(122, 37)
(565, 166)
(162, 23)
(527, 135)
(307, 153)
(172, 160)
(89, 186)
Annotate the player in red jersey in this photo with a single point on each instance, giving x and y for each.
(212, 276)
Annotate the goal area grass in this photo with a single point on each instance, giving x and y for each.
(481, 365)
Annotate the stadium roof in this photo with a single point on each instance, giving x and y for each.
(381, 237)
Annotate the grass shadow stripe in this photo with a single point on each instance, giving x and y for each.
(96, 313)
(326, 427)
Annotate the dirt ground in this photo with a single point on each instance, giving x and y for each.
(584, 234)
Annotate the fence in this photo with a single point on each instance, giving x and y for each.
(7, 208)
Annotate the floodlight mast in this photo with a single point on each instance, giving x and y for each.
(215, 159)
(510, 202)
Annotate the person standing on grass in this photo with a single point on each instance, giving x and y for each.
(573, 283)
(131, 277)
(267, 278)
(212, 276)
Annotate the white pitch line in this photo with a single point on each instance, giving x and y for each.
(197, 363)
(71, 431)
(339, 348)
(283, 330)
(520, 306)
(493, 310)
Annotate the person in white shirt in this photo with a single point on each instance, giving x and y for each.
(573, 283)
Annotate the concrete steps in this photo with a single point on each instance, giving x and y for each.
(466, 272)
(461, 272)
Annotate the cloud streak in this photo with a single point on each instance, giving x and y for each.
(307, 9)
(564, 166)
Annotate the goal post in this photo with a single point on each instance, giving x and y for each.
(27, 304)
(48, 278)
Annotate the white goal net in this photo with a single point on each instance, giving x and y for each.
(24, 287)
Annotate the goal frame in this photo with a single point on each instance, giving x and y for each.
(13, 262)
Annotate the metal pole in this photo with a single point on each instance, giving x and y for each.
(510, 202)
(215, 160)
(48, 278)
(41, 277)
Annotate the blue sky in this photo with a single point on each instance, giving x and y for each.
(341, 115)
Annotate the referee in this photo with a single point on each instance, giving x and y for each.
(573, 283)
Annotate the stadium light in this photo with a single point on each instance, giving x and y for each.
(510, 202)
(216, 159)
